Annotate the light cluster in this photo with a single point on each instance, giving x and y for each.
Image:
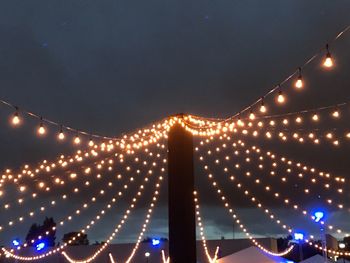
(94, 199)
(241, 225)
(103, 211)
(253, 199)
(119, 226)
(268, 188)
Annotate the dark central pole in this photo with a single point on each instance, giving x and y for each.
(182, 226)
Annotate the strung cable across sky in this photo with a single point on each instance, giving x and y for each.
(232, 147)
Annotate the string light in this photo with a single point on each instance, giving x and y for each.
(242, 227)
(297, 206)
(164, 258)
(41, 129)
(44, 167)
(16, 121)
(73, 175)
(61, 247)
(119, 226)
(77, 139)
(251, 115)
(299, 82)
(328, 61)
(44, 206)
(262, 106)
(144, 226)
(253, 199)
(201, 231)
(61, 135)
(336, 114)
(280, 98)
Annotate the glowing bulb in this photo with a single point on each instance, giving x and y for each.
(77, 140)
(315, 117)
(61, 135)
(240, 122)
(91, 143)
(15, 119)
(280, 98)
(41, 129)
(262, 106)
(299, 82)
(336, 114)
(251, 115)
(328, 62)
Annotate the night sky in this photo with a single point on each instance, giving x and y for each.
(110, 67)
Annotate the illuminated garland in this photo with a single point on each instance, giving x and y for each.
(241, 225)
(243, 126)
(277, 91)
(201, 231)
(59, 181)
(267, 211)
(164, 258)
(306, 191)
(94, 200)
(144, 226)
(102, 212)
(253, 199)
(303, 168)
(118, 228)
(286, 200)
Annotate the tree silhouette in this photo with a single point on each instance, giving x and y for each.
(81, 240)
(47, 232)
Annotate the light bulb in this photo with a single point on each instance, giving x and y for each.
(262, 106)
(336, 114)
(240, 122)
(41, 129)
(76, 139)
(91, 143)
(315, 117)
(328, 62)
(61, 135)
(299, 82)
(280, 98)
(15, 119)
(251, 115)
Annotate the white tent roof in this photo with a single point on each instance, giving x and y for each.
(315, 259)
(251, 254)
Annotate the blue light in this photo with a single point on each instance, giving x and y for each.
(15, 242)
(155, 242)
(318, 216)
(298, 236)
(40, 246)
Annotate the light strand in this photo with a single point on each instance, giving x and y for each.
(201, 231)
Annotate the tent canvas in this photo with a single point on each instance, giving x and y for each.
(252, 254)
(316, 259)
